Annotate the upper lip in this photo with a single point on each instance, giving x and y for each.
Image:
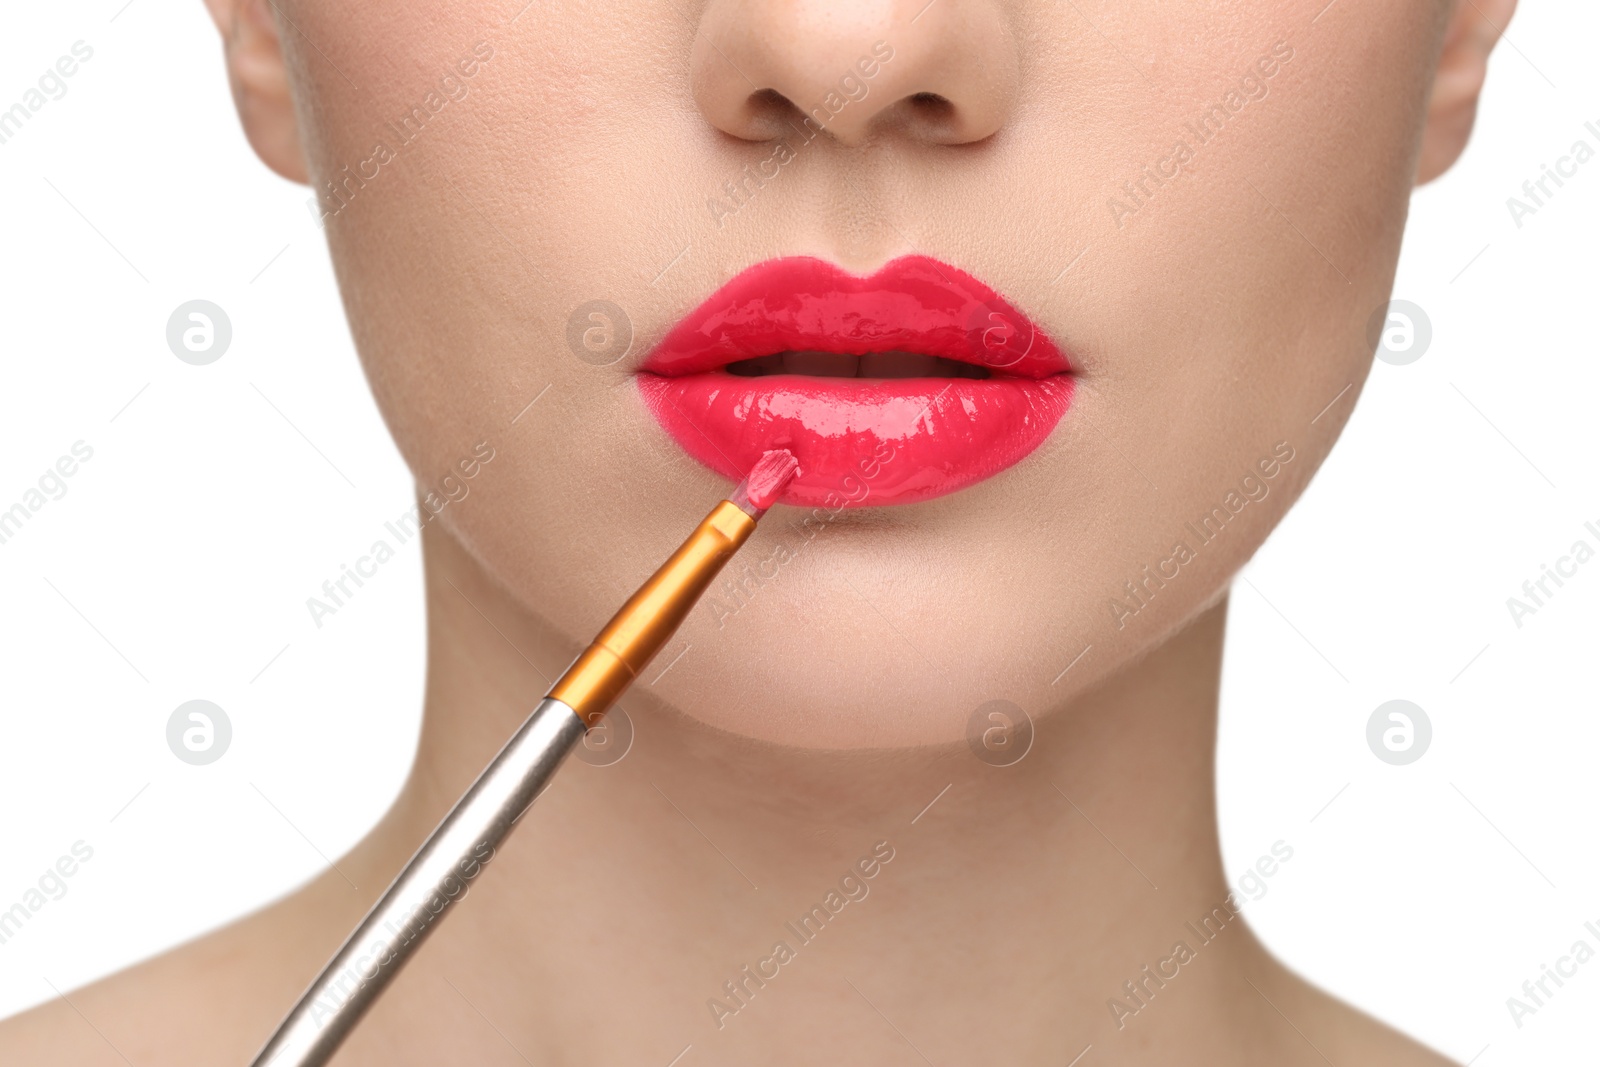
(913, 304)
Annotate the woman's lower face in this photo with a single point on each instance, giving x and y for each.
(1059, 306)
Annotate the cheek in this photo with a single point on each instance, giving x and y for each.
(1220, 311)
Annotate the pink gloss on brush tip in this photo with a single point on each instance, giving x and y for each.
(770, 477)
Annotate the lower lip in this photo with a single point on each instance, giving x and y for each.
(861, 443)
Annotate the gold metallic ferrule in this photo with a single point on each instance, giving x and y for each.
(651, 616)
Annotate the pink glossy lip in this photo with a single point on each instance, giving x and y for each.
(860, 441)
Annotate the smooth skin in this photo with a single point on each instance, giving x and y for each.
(827, 709)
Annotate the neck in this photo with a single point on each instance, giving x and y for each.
(710, 891)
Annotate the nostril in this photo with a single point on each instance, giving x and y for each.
(768, 100)
(768, 112)
(930, 117)
(774, 71)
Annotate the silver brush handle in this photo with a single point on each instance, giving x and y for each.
(436, 878)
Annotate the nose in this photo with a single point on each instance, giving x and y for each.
(944, 72)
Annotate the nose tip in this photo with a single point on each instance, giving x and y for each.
(939, 73)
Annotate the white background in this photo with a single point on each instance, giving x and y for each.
(219, 498)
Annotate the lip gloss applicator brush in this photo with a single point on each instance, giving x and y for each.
(465, 841)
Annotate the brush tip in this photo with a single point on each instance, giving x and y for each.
(767, 480)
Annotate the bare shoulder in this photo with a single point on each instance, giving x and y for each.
(1329, 1030)
(209, 1001)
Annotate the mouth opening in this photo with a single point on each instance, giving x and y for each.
(880, 365)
